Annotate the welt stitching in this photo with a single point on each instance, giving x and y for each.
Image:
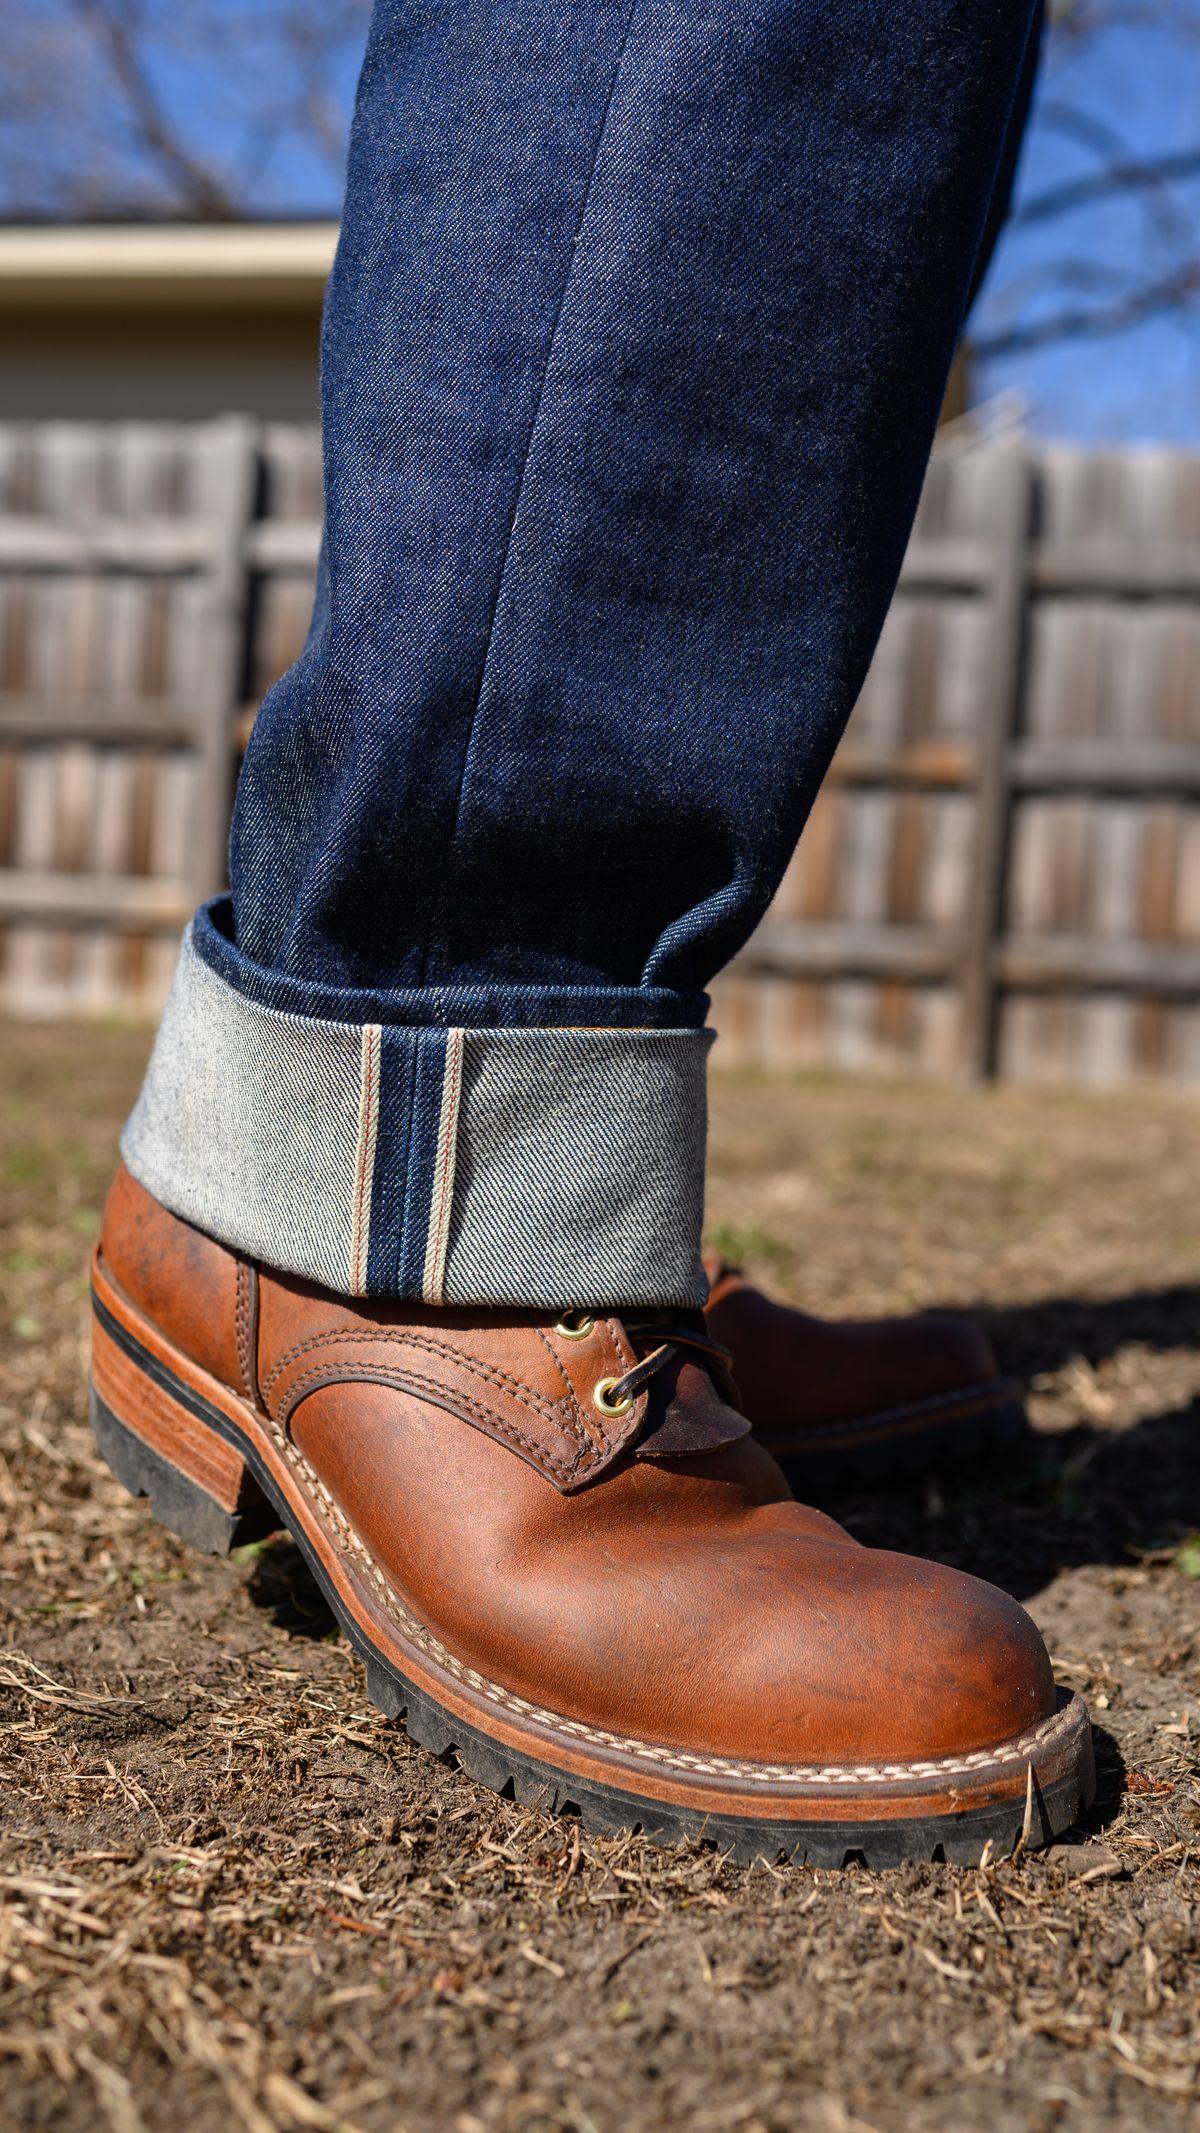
(747, 1773)
(406, 1381)
(647, 1751)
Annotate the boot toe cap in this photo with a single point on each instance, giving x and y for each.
(888, 1659)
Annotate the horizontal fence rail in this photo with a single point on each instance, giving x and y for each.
(1001, 874)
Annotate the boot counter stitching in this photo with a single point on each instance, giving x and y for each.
(242, 1321)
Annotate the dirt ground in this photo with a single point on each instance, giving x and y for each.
(235, 1898)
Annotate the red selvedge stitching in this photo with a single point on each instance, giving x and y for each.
(451, 1107)
(365, 1137)
(373, 1042)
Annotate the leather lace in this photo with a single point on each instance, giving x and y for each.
(668, 1339)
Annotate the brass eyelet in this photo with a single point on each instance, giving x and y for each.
(574, 1326)
(612, 1408)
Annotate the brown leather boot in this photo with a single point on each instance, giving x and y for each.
(844, 1400)
(561, 1554)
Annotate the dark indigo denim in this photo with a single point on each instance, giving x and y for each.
(633, 352)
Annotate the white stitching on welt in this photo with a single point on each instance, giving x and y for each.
(441, 1198)
(745, 1773)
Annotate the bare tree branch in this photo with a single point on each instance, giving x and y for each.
(93, 118)
(1143, 268)
(1125, 177)
(1171, 293)
(92, 121)
(120, 34)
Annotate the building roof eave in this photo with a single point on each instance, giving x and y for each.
(253, 265)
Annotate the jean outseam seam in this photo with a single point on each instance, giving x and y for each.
(531, 439)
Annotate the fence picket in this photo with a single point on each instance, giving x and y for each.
(1002, 873)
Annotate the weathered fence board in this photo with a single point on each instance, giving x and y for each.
(1050, 687)
(1001, 875)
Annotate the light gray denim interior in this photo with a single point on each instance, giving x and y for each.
(578, 1165)
(247, 1125)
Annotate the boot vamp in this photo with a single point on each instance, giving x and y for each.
(692, 1603)
(797, 1372)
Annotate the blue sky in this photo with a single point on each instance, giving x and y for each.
(1139, 87)
(1143, 88)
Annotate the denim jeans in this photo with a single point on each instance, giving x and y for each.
(633, 351)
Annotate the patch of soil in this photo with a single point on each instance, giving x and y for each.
(233, 1896)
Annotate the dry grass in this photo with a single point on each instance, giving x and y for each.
(234, 1898)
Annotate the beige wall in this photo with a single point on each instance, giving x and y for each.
(82, 366)
(85, 368)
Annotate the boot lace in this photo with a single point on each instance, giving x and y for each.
(663, 1339)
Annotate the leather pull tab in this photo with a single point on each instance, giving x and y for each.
(692, 1419)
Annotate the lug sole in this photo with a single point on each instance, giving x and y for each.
(216, 1476)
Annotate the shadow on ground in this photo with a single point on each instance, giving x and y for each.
(1033, 1338)
(1093, 1492)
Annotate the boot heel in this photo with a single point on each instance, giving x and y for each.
(198, 1483)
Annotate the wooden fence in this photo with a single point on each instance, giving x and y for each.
(1002, 874)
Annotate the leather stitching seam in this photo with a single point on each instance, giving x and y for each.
(554, 1356)
(240, 1329)
(570, 1394)
(413, 1381)
(1041, 1736)
(246, 1325)
(594, 1433)
(551, 1410)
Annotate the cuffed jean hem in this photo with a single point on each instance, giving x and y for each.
(544, 1167)
(475, 1006)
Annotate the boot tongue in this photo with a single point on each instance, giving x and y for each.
(686, 1415)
